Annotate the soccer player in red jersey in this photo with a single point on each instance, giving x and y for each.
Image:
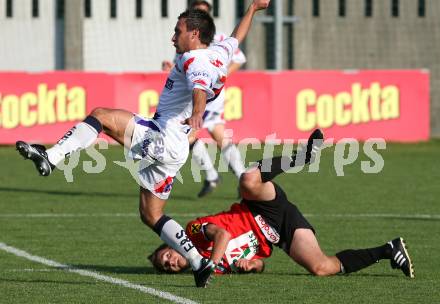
(239, 239)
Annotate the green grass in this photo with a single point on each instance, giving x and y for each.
(117, 246)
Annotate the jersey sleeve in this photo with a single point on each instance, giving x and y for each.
(227, 47)
(197, 72)
(238, 57)
(195, 230)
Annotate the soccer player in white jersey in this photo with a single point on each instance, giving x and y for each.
(161, 143)
(213, 121)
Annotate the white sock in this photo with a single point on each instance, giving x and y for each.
(79, 137)
(201, 156)
(232, 157)
(174, 235)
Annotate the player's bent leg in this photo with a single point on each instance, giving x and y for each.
(396, 251)
(218, 134)
(80, 136)
(271, 167)
(150, 207)
(252, 188)
(172, 233)
(116, 123)
(201, 157)
(229, 151)
(306, 252)
(192, 137)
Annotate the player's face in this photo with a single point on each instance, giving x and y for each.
(182, 38)
(171, 260)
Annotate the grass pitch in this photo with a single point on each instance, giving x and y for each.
(92, 224)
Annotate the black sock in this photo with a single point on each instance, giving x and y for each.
(93, 122)
(159, 224)
(271, 167)
(354, 260)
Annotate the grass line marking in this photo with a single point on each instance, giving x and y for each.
(194, 215)
(95, 275)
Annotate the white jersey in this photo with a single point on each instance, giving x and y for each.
(217, 105)
(204, 69)
(238, 56)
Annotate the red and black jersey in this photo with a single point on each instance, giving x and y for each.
(247, 240)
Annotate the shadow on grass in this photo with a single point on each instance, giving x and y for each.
(70, 193)
(353, 275)
(99, 194)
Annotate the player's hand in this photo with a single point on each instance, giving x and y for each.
(167, 66)
(260, 4)
(244, 265)
(195, 121)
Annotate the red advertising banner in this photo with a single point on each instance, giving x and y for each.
(394, 105)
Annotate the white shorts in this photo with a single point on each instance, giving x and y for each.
(214, 112)
(161, 156)
(211, 119)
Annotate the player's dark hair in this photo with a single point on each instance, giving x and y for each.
(196, 19)
(200, 2)
(154, 259)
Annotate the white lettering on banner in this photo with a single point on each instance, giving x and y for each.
(270, 233)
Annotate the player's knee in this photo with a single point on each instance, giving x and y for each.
(99, 112)
(104, 116)
(319, 269)
(250, 185)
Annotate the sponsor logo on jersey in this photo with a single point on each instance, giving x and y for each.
(216, 63)
(169, 84)
(195, 228)
(198, 74)
(244, 246)
(164, 186)
(270, 233)
(200, 81)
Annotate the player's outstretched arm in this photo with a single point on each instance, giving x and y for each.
(220, 238)
(167, 66)
(233, 67)
(243, 27)
(199, 104)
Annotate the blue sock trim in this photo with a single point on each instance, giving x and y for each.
(94, 122)
(160, 223)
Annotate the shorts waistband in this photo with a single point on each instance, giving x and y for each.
(148, 123)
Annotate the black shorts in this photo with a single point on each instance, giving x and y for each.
(282, 215)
